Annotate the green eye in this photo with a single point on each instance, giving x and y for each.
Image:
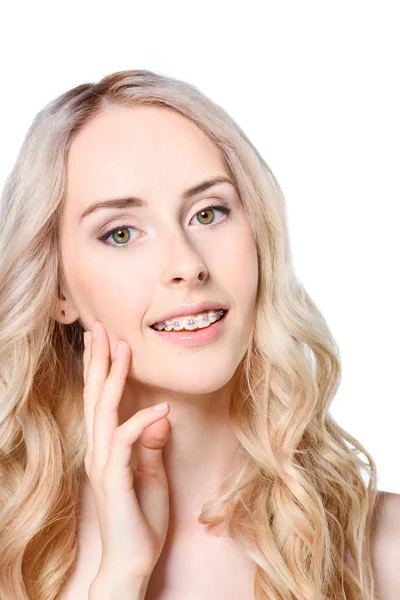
(121, 228)
(118, 230)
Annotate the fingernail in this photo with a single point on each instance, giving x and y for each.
(117, 351)
(95, 329)
(159, 407)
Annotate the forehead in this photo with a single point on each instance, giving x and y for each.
(141, 150)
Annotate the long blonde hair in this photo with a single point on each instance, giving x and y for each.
(300, 507)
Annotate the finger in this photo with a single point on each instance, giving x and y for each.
(97, 371)
(151, 483)
(106, 409)
(118, 468)
(150, 448)
(88, 412)
(87, 339)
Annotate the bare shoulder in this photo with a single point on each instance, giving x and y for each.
(385, 546)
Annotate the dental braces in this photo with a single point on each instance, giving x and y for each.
(191, 321)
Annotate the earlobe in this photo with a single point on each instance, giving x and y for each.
(64, 316)
(60, 315)
(64, 309)
(61, 300)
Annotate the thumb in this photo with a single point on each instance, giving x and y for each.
(150, 446)
(152, 488)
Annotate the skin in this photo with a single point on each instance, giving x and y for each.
(173, 257)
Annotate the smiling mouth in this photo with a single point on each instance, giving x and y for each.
(220, 314)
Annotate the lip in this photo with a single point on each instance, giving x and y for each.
(199, 337)
(190, 309)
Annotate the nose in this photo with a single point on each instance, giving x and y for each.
(182, 262)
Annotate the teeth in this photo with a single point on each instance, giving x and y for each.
(190, 322)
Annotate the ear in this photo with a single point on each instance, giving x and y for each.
(65, 311)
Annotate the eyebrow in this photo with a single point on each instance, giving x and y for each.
(133, 201)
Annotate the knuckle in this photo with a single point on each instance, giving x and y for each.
(90, 469)
(104, 480)
(95, 477)
(97, 406)
(91, 475)
(119, 436)
(107, 482)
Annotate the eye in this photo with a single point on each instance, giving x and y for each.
(117, 230)
(121, 228)
(212, 208)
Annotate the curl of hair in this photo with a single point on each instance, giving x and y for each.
(299, 507)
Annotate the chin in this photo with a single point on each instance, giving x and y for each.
(194, 381)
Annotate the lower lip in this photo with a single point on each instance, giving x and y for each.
(199, 337)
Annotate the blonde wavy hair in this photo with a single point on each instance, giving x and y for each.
(299, 507)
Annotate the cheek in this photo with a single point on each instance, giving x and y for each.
(125, 287)
(125, 290)
(117, 289)
(239, 268)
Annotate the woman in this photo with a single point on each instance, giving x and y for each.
(142, 209)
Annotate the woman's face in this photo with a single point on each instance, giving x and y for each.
(164, 253)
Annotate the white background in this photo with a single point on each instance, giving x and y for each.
(315, 86)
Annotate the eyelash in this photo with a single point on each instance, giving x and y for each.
(108, 233)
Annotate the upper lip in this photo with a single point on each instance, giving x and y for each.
(190, 309)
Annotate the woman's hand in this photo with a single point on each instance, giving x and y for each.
(132, 504)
